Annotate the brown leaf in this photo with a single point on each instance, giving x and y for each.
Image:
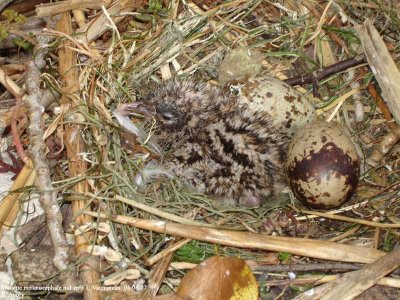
(218, 279)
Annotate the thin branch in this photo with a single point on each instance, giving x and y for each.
(37, 148)
(326, 72)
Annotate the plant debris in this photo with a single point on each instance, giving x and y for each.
(79, 61)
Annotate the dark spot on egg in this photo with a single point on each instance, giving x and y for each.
(289, 98)
(322, 177)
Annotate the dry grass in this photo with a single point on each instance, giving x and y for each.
(191, 40)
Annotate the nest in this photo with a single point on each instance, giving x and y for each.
(81, 70)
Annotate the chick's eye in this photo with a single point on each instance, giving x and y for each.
(167, 116)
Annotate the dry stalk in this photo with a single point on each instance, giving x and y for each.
(305, 279)
(350, 220)
(52, 9)
(79, 17)
(169, 250)
(13, 213)
(346, 234)
(157, 212)
(10, 85)
(332, 35)
(382, 66)
(94, 29)
(75, 145)
(156, 278)
(9, 202)
(320, 279)
(354, 283)
(304, 247)
(336, 211)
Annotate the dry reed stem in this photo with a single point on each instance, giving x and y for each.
(302, 279)
(157, 277)
(382, 66)
(12, 215)
(169, 250)
(75, 144)
(350, 220)
(157, 212)
(339, 102)
(94, 29)
(52, 9)
(345, 234)
(8, 202)
(320, 279)
(304, 247)
(79, 17)
(10, 85)
(354, 283)
(336, 211)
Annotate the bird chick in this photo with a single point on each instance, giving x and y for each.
(217, 145)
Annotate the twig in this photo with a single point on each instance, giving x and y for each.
(345, 234)
(326, 72)
(320, 279)
(10, 85)
(341, 267)
(166, 252)
(351, 220)
(336, 211)
(15, 132)
(156, 278)
(13, 213)
(382, 105)
(51, 9)
(48, 195)
(354, 283)
(6, 167)
(298, 246)
(157, 212)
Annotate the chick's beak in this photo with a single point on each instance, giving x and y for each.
(136, 108)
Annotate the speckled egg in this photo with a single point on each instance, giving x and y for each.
(322, 165)
(289, 109)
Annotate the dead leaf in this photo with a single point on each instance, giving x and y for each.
(219, 279)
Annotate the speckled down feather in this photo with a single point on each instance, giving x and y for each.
(217, 145)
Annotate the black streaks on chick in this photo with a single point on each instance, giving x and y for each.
(218, 145)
